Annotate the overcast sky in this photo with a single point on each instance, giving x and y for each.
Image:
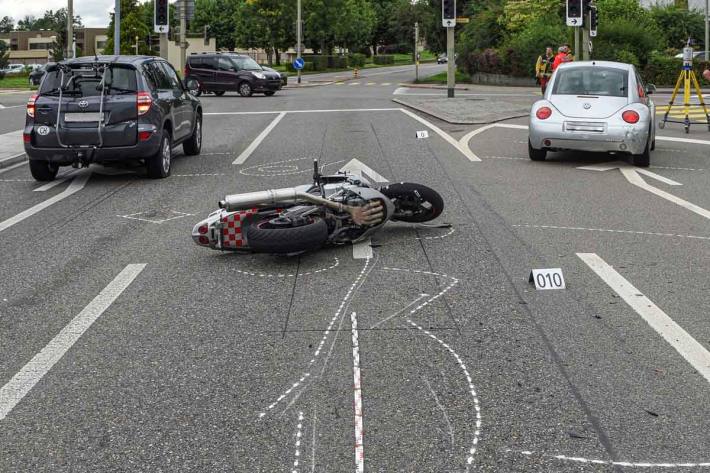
(94, 13)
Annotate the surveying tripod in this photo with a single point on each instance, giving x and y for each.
(687, 79)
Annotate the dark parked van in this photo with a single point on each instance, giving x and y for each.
(110, 108)
(220, 72)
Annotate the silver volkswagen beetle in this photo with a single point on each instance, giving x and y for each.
(596, 106)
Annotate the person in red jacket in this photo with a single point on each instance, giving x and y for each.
(563, 55)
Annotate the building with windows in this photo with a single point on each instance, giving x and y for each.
(34, 47)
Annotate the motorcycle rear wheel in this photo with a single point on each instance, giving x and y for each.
(414, 202)
(265, 237)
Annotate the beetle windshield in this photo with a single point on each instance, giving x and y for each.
(593, 80)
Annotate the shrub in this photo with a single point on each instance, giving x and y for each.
(628, 57)
(307, 66)
(664, 70)
(383, 59)
(320, 63)
(337, 62)
(357, 60)
(521, 51)
(626, 35)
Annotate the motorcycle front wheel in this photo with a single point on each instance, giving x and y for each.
(279, 237)
(414, 202)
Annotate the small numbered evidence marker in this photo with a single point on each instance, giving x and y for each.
(422, 134)
(549, 278)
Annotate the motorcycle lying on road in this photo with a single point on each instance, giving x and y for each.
(334, 210)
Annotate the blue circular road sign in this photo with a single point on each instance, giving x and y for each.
(298, 63)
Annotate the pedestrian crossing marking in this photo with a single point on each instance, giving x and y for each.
(354, 83)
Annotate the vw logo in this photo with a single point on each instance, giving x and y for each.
(83, 104)
(587, 106)
(43, 130)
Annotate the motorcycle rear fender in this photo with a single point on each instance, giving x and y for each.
(224, 230)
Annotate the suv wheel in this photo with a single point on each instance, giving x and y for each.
(43, 170)
(245, 89)
(194, 144)
(158, 165)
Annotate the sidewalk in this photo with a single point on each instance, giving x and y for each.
(12, 150)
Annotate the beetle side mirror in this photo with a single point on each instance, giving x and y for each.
(650, 89)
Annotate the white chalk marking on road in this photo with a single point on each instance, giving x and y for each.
(257, 141)
(357, 399)
(362, 249)
(75, 186)
(442, 409)
(30, 374)
(11, 144)
(448, 138)
(307, 374)
(606, 230)
(420, 297)
(284, 275)
(313, 442)
(14, 166)
(134, 216)
(465, 139)
(614, 463)
(693, 352)
(297, 454)
(357, 167)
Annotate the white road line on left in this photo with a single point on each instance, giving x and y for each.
(357, 399)
(14, 166)
(30, 374)
(362, 249)
(689, 348)
(76, 185)
(254, 144)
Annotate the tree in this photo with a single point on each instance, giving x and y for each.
(7, 24)
(218, 16)
(4, 57)
(27, 23)
(517, 14)
(132, 25)
(353, 29)
(267, 24)
(385, 11)
(678, 24)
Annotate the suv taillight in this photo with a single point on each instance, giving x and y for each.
(143, 102)
(31, 105)
(186, 70)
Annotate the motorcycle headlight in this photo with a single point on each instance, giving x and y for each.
(259, 75)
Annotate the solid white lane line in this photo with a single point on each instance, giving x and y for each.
(693, 352)
(357, 401)
(76, 185)
(448, 138)
(362, 249)
(658, 177)
(682, 140)
(465, 139)
(634, 178)
(254, 144)
(61, 180)
(14, 166)
(30, 374)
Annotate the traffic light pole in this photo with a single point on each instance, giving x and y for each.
(450, 62)
(298, 36)
(183, 33)
(117, 29)
(70, 29)
(585, 44)
(416, 51)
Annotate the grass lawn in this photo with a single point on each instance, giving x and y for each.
(15, 82)
(440, 78)
(399, 60)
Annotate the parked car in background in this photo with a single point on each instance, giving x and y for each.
(36, 75)
(222, 72)
(14, 69)
(110, 109)
(442, 59)
(596, 106)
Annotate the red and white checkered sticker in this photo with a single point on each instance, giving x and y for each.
(232, 236)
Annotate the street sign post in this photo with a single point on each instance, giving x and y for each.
(448, 20)
(298, 63)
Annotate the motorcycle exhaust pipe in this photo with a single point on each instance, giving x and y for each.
(287, 195)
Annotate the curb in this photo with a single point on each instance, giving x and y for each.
(468, 122)
(431, 86)
(7, 162)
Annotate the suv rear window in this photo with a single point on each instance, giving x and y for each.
(593, 80)
(85, 82)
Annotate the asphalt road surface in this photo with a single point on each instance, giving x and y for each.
(126, 347)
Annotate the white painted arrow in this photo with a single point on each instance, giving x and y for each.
(633, 175)
(359, 168)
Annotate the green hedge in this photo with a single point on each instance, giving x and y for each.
(337, 62)
(357, 60)
(307, 66)
(663, 70)
(383, 59)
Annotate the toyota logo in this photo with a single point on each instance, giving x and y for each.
(83, 104)
(587, 106)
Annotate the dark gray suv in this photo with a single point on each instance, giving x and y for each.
(221, 72)
(110, 108)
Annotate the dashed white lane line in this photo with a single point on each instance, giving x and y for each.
(30, 374)
(689, 348)
(257, 141)
(459, 361)
(297, 453)
(613, 463)
(199, 175)
(76, 185)
(291, 275)
(307, 373)
(606, 230)
(357, 399)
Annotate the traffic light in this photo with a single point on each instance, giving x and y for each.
(448, 13)
(593, 21)
(574, 12)
(161, 12)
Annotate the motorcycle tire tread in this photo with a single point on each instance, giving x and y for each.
(289, 239)
(393, 191)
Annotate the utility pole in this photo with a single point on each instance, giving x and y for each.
(183, 33)
(576, 44)
(585, 43)
(416, 51)
(298, 35)
(707, 30)
(450, 62)
(70, 29)
(117, 29)
(136, 45)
